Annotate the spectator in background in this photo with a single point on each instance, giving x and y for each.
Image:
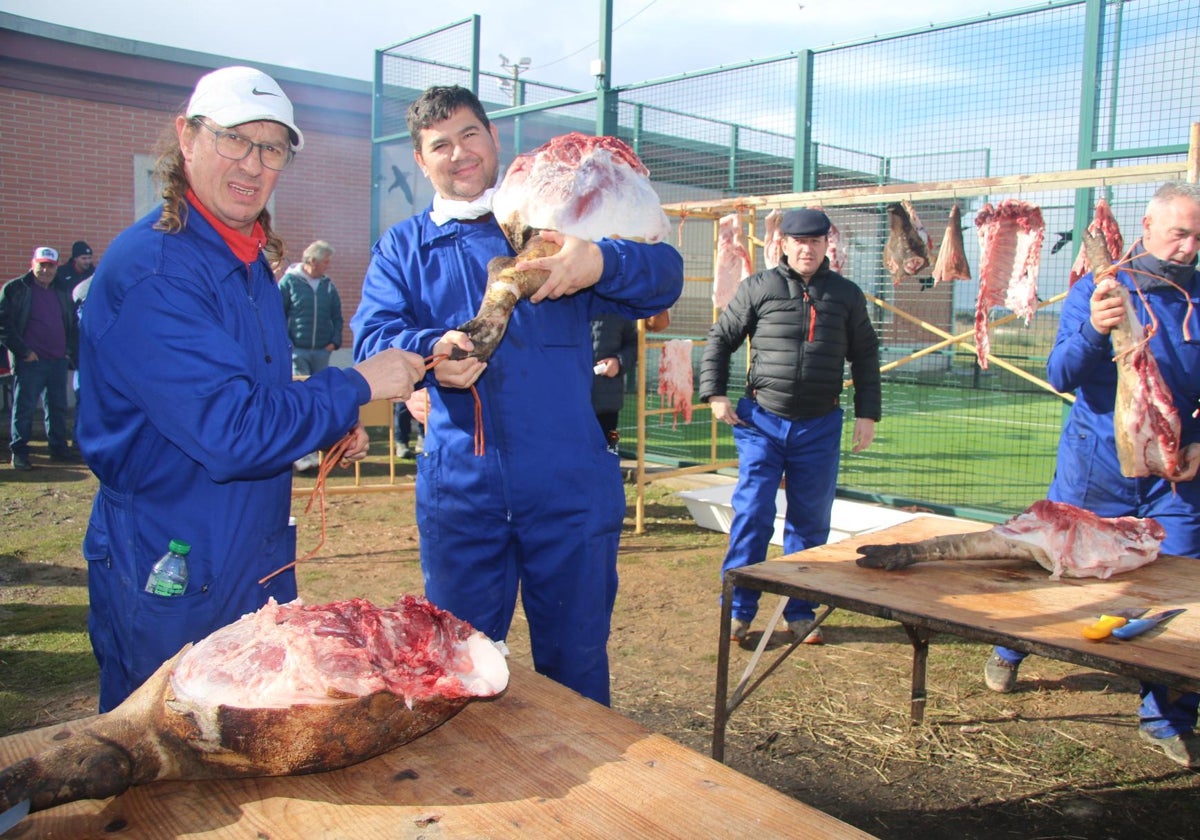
(39, 328)
(402, 419)
(1087, 473)
(314, 318)
(77, 269)
(614, 351)
(804, 322)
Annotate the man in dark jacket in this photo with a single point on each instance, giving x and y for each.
(38, 326)
(804, 322)
(614, 351)
(77, 269)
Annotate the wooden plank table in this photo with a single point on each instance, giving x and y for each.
(539, 761)
(1010, 603)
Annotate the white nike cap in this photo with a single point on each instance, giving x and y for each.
(235, 95)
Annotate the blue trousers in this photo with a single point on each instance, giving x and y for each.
(308, 362)
(47, 379)
(806, 452)
(1163, 713)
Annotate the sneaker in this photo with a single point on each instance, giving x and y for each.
(738, 630)
(21, 462)
(1184, 750)
(816, 637)
(403, 450)
(999, 674)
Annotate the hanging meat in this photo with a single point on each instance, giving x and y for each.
(773, 241)
(1104, 224)
(836, 251)
(286, 690)
(952, 256)
(733, 260)
(590, 187)
(908, 247)
(1065, 540)
(1145, 419)
(675, 378)
(1010, 254)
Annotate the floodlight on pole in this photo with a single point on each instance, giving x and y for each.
(513, 86)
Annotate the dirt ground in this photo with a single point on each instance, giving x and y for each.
(1057, 759)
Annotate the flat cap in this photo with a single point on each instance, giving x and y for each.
(804, 222)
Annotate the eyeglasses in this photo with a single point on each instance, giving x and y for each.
(233, 146)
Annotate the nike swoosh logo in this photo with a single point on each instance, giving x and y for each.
(258, 92)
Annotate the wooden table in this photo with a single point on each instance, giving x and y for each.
(1011, 603)
(539, 761)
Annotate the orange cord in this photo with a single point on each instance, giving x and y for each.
(338, 450)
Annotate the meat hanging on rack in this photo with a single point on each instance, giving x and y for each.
(675, 378)
(733, 261)
(908, 246)
(836, 250)
(952, 256)
(773, 241)
(1010, 253)
(1103, 223)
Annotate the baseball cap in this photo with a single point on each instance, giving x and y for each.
(44, 254)
(804, 222)
(235, 95)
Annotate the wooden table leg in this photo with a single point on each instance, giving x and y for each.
(720, 707)
(919, 637)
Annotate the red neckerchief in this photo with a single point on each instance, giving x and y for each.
(245, 248)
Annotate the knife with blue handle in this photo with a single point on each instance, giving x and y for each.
(1140, 625)
(14, 815)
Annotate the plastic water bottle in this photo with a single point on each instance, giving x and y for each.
(169, 577)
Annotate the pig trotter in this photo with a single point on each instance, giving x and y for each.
(887, 557)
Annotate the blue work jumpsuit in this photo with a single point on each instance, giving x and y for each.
(542, 508)
(190, 419)
(1088, 474)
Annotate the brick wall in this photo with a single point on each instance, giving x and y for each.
(67, 173)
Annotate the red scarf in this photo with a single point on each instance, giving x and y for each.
(245, 248)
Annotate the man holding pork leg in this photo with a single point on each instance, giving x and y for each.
(1088, 472)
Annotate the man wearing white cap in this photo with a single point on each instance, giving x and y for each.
(37, 325)
(188, 412)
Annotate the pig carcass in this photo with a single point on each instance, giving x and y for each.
(286, 690)
(908, 246)
(1104, 224)
(590, 187)
(1065, 540)
(951, 261)
(733, 260)
(675, 378)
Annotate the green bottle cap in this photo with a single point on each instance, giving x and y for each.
(179, 547)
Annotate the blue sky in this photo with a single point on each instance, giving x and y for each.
(652, 39)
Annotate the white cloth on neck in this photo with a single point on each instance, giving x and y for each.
(445, 209)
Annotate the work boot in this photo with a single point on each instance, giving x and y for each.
(999, 674)
(1184, 749)
(816, 637)
(738, 630)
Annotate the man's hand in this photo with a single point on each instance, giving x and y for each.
(461, 373)
(864, 433)
(358, 446)
(577, 266)
(392, 373)
(418, 406)
(612, 366)
(723, 411)
(1108, 308)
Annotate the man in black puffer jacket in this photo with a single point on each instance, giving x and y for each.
(804, 322)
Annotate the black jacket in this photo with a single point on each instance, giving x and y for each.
(15, 309)
(615, 336)
(800, 335)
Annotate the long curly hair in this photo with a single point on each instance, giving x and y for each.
(170, 176)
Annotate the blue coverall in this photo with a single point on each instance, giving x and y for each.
(1087, 472)
(190, 419)
(542, 508)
